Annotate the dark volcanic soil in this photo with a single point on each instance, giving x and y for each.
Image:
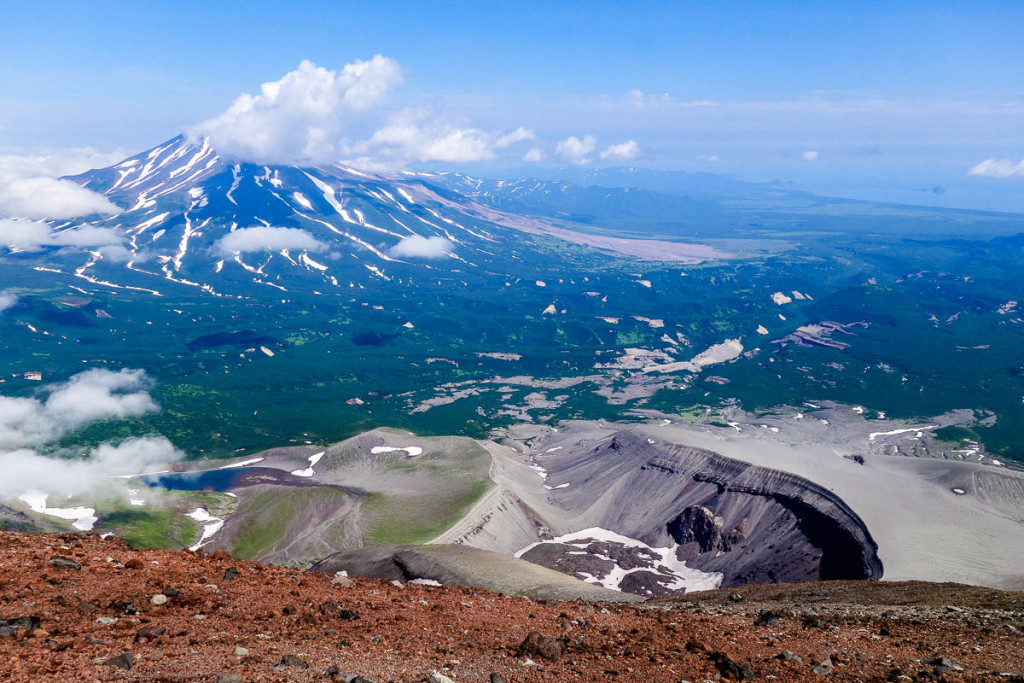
(295, 625)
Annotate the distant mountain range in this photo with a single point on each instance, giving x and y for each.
(195, 219)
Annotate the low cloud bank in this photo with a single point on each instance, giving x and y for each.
(7, 300)
(89, 396)
(99, 394)
(417, 246)
(26, 470)
(30, 185)
(260, 238)
(33, 235)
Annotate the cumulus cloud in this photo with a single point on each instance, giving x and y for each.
(7, 299)
(577, 150)
(520, 134)
(417, 246)
(622, 152)
(30, 185)
(809, 156)
(998, 168)
(412, 136)
(33, 235)
(304, 116)
(262, 238)
(314, 115)
(26, 470)
(535, 154)
(89, 396)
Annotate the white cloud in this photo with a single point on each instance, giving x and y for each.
(25, 470)
(712, 158)
(304, 116)
(411, 136)
(32, 235)
(57, 163)
(87, 397)
(315, 115)
(641, 100)
(520, 134)
(624, 151)
(998, 168)
(576, 150)
(7, 299)
(100, 394)
(417, 246)
(30, 186)
(535, 154)
(262, 238)
(809, 156)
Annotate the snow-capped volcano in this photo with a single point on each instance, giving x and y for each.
(193, 218)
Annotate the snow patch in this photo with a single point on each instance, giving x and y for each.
(410, 451)
(665, 563)
(212, 526)
(84, 517)
(244, 463)
(308, 472)
(919, 432)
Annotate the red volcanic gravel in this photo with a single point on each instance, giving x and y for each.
(99, 622)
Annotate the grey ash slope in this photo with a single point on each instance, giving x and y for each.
(719, 515)
(467, 566)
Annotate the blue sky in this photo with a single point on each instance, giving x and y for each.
(892, 97)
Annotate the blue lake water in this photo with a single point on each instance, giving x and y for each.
(210, 480)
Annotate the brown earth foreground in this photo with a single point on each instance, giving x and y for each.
(73, 619)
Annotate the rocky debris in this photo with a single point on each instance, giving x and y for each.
(10, 627)
(148, 633)
(228, 678)
(730, 668)
(159, 599)
(334, 609)
(537, 645)
(438, 677)
(467, 634)
(65, 563)
(122, 661)
(291, 661)
(335, 674)
(767, 617)
(943, 665)
(230, 573)
(824, 668)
